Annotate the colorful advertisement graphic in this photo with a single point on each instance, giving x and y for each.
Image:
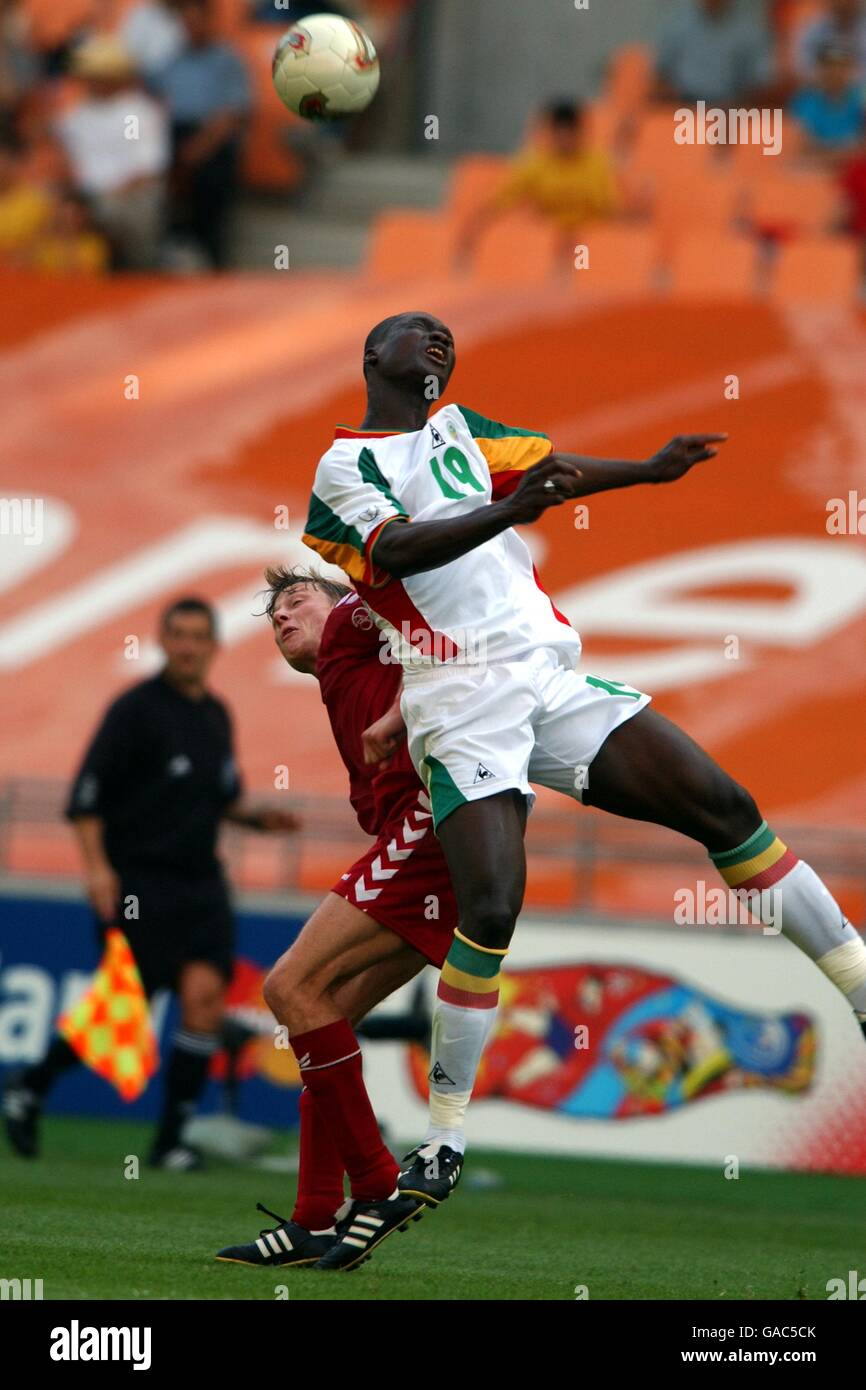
(692, 1045)
(612, 1042)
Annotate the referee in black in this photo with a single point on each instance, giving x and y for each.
(146, 806)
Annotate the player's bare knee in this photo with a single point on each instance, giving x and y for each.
(277, 988)
(490, 924)
(734, 816)
(288, 993)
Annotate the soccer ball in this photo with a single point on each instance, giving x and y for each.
(325, 67)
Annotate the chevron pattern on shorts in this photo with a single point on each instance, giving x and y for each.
(415, 826)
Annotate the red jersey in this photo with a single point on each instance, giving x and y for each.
(357, 689)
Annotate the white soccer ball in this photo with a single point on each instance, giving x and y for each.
(325, 67)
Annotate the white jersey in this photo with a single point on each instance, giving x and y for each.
(487, 606)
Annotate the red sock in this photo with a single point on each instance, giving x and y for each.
(330, 1063)
(320, 1169)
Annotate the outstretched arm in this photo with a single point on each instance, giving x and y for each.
(411, 547)
(672, 462)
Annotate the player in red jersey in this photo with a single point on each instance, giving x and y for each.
(390, 914)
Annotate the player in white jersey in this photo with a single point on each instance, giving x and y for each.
(419, 510)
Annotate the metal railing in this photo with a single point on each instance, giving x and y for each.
(580, 861)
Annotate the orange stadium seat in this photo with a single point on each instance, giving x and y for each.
(713, 263)
(701, 197)
(692, 201)
(630, 78)
(602, 118)
(819, 270)
(269, 164)
(52, 24)
(620, 260)
(656, 151)
(793, 149)
(798, 204)
(609, 127)
(473, 183)
(749, 161)
(232, 17)
(515, 250)
(405, 243)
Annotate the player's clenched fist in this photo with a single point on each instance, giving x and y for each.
(381, 740)
(544, 485)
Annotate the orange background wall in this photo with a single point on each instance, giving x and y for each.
(241, 382)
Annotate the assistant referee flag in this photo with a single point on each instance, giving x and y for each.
(110, 1026)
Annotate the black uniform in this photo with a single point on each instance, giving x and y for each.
(160, 773)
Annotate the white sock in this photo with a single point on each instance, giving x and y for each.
(435, 1137)
(797, 900)
(815, 922)
(463, 1018)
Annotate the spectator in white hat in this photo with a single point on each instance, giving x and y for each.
(116, 143)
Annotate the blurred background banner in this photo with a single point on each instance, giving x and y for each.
(692, 1042)
(639, 220)
(697, 1049)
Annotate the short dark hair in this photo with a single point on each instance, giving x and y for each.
(564, 113)
(377, 333)
(280, 579)
(189, 604)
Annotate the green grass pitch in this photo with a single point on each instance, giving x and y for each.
(625, 1230)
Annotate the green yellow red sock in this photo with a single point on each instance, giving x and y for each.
(470, 975)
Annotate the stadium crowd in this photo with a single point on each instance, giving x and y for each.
(123, 134)
(616, 159)
(123, 125)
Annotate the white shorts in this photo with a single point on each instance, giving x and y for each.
(476, 731)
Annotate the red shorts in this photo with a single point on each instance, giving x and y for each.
(403, 883)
